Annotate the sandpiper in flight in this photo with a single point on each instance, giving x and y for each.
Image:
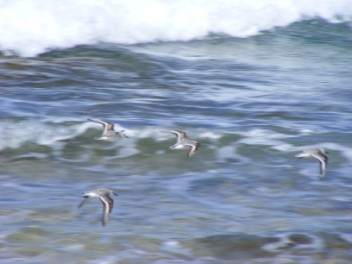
(105, 197)
(182, 142)
(109, 134)
(320, 154)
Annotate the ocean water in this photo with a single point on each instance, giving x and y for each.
(254, 82)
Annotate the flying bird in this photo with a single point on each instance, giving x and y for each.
(184, 143)
(109, 133)
(105, 197)
(318, 153)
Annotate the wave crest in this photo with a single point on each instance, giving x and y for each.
(31, 27)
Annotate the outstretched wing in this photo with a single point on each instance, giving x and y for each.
(83, 202)
(193, 147)
(108, 204)
(103, 123)
(323, 161)
(108, 128)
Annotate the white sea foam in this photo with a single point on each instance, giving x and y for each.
(31, 27)
(14, 135)
(264, 137)
(285, 240)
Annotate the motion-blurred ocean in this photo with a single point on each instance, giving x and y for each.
(254, 82)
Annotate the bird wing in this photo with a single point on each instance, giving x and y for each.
(83, 202)
(108, 204)
(323, 160)
(179, 134)
(192, 148)
(103, 123)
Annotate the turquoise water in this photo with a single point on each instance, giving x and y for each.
(252, 103)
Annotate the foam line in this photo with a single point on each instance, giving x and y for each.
(32, 27)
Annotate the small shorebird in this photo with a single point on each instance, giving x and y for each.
(320, 154)
(183, 143)
(109, 133)
(105, 197)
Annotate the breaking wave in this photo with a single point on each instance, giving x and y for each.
(32, 27)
